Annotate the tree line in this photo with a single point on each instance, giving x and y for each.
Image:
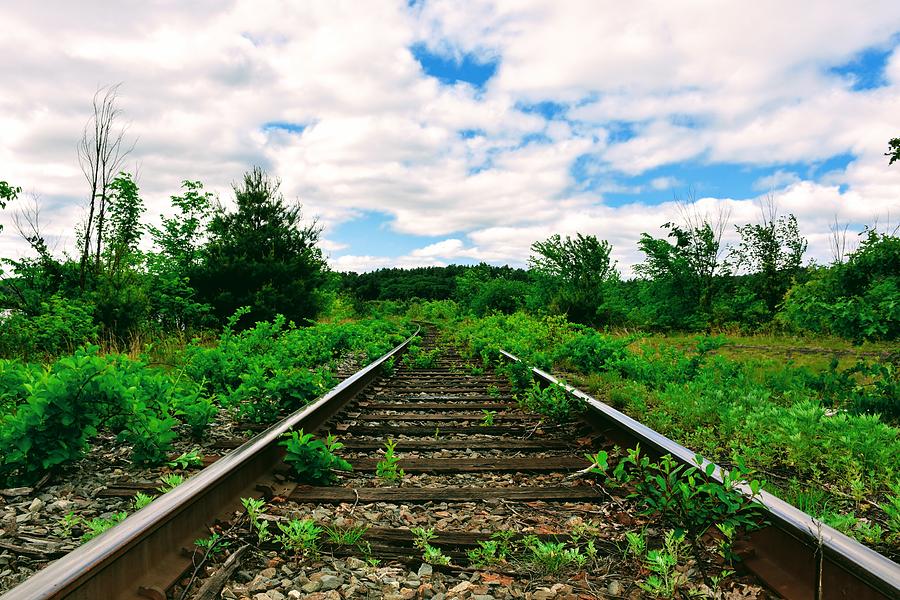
(208, 261)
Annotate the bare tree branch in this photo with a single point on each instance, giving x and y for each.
(101, 154)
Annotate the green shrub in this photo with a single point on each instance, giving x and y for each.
(62, 325)
(313, 460)
(553, 402)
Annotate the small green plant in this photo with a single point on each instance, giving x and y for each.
(666, 579)
(553, 402)
(637, 544)
(170, 482)
(493, 390)
(726, 544)
(422, 540)
(388, 468)
(388, 366)
(214, 544)
(346, 536)
(891, 507)
(141, 500)
(688, 498)
(98, 525)
(599, 462)
(67, 523)
(314, 461)
(487, 420)
(186, 460)
(549, 557)
(487, 554)
(255, 508)
(300, 536)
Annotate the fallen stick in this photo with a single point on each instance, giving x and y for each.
(213, 586)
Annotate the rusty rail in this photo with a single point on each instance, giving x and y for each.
(141, 557)
(796, 555)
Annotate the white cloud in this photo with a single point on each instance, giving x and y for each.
(709, 82)
(777, 179)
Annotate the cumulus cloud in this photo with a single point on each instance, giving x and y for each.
(367, 129)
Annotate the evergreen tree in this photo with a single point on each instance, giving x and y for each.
(261, 255)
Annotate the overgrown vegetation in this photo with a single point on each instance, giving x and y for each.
(49, 414)
(826, 437)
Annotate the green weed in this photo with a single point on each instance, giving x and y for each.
(388, 467)
(314, 461)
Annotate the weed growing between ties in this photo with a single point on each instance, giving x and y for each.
(313, 461)
(388, 468)
(430, 554)
(91, 528)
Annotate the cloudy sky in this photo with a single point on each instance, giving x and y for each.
(436, 132)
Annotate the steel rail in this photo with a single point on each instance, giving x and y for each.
(797, 555)
(137, 558)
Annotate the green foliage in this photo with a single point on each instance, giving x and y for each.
(665, 579)
(170, 482)
(262, 256)
(519, 374)
(893, 150)
(683, 275)
(551, 557)
(592, 351)
(300, 536)
(141, 500)
(256, 508)
(490, 552)
(687, 498)
(553, 402)
(858, 300)
(416, 358)
(579, 273)
(637, 543)
(59, 326)
(185, 460)
(599, 462)
(771, 252)
(485, 290)
(346, 536)
(313, 460)
(430, 554)
(487, 419)
(214, 544)
(8, 193)
(98, 525)
(388, 467)
(275, 366)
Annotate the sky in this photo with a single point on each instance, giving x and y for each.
(430, 133)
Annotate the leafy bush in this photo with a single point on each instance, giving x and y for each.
(275, 366)
(686, 497)
(313, 460)
(53, 412)
(593, 351)
(858, 300)
(61, 325)
(553, 402)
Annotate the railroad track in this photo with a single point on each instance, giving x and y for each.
(465, 479)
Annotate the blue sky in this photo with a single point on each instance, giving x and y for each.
(449, 134)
